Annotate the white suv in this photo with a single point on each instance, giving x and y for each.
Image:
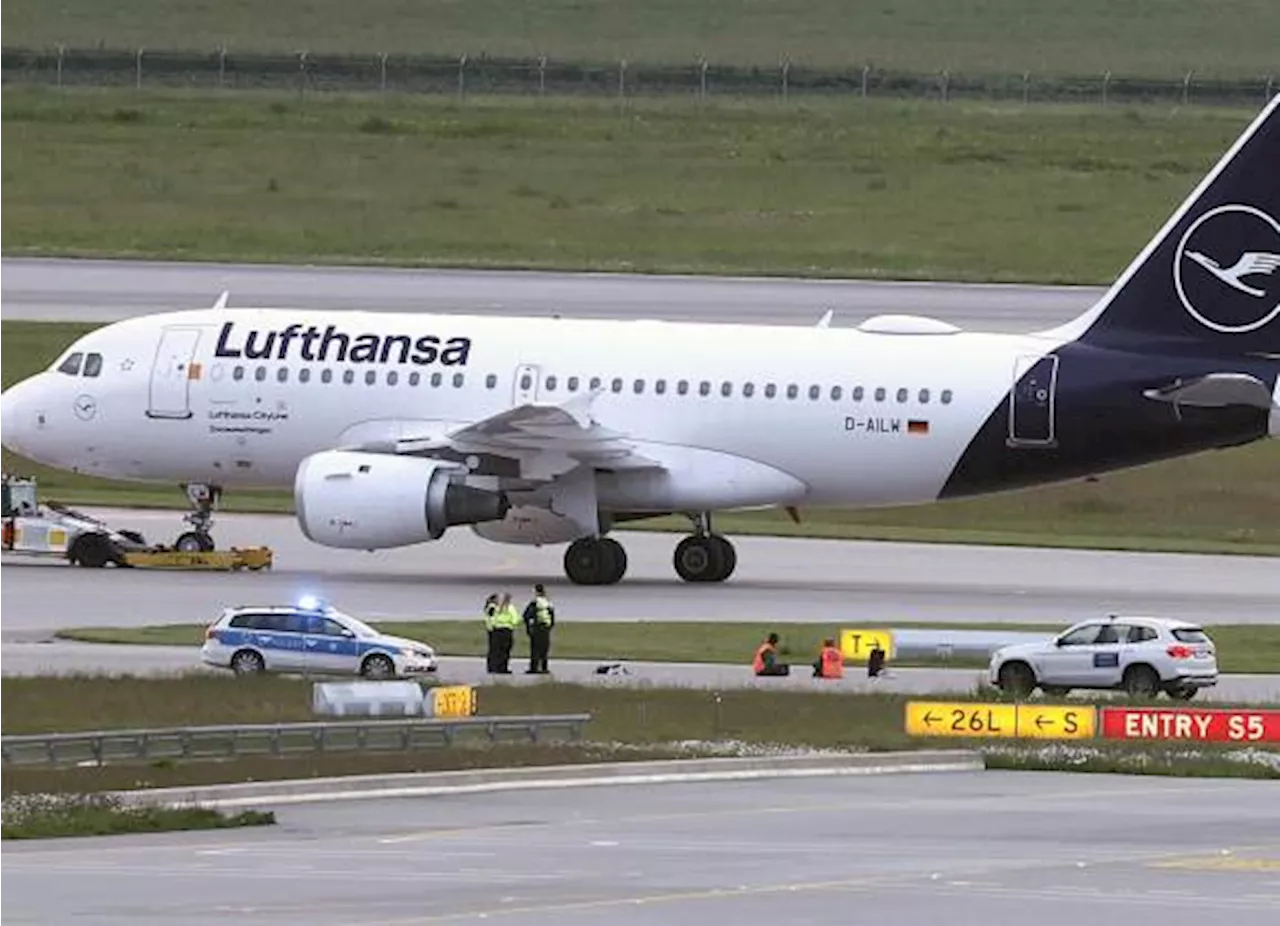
(1141, 655)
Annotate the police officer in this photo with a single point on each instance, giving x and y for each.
(505, 621)
(490, 629)
(539, 618)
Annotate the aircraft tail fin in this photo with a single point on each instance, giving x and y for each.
(1209, 281)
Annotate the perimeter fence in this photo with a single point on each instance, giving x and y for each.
(463, 75)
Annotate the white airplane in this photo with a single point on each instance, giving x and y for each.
(392, 428)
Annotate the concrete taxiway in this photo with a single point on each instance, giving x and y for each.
(777, 579)
(104, 291)
(965, 848)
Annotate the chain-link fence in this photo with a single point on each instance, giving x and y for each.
(143, 68)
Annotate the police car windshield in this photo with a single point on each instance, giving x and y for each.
(360, 627)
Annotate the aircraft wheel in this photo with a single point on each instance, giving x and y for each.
(194, 542)
(700, 559)
(592, 561)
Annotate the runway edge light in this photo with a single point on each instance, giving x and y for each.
(856, 643)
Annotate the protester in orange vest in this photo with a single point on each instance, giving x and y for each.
(766, 659)
(830, 662)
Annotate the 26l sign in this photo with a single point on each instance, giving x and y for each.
(1210, 726)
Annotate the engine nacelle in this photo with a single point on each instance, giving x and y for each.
(367, 501)
(529, 524)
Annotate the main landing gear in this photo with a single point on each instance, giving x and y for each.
(701, 557)
(204, 499)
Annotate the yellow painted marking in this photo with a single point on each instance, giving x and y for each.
(453, 701)
(856, 645)
(941, 718)
(1045, 722)
(1219, 863)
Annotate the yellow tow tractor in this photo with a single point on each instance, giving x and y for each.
(55, 531)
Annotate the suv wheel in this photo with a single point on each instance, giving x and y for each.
(1017, 679)
(1141, 682)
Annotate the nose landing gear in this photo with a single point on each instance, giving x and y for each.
(204, 499)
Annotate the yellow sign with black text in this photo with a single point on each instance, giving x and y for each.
(935, 718)
(1038, 721)
(1010, 721)
(857, 644)
(453, 701)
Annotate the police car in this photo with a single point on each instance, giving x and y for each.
(313, 638)
(1139, 655)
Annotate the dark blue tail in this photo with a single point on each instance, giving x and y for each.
(1209, 282)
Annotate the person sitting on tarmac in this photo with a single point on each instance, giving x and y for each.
(830, 662)
(766, 658)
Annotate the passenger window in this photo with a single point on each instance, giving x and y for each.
(304, 375)
(726, 389)
(238, 373)
(573, 384)
(880, 394)
(924, 396)
(946, 396)
(282, 374)
(392, 378)
(792, 391)
(639, 386)
(93, 365)
(704, 388)
(551, 384)
(370, 377)
(242, 621)
(458, 380)
(617, 384)
(1081, 637)
(595, 383)
(260, 374)
(770, 391)
(660, 387)
(748, 389)
(902, 395)
(415, 378)
(682, 387)
(1140, 634)
(331, 628)
(836, 393)
(326, 375)
(348, 376)
(815, 392)
(437, 379)
(526, 381)
(857, 393)
(490, 381)
(71, 366)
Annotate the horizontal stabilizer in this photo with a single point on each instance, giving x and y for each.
(1215, 390)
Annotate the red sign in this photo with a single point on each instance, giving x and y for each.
(1215, 726)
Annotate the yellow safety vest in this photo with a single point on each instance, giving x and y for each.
(542, 611)
(507, 619)
(490, 616)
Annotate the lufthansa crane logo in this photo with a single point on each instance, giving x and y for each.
(1227, 269)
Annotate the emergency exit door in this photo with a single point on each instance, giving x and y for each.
(172, 373)
(525, 389)
(1032, 402)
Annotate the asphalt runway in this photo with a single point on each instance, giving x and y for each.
(104, 291)
(777, 579)
(968, 849)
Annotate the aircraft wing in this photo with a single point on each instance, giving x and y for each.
(545, 440)
(1215, 390)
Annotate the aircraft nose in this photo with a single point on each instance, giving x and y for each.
(15, 410)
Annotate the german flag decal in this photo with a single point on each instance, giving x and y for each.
(916, 426)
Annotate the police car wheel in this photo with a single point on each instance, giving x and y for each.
(247, 662)
(378, 666)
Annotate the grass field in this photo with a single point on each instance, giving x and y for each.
(1089, 36)
(626, 724)
(48, 816)
(1241, 647)
(863, 189)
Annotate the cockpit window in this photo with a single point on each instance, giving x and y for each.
(92, 365)
(71, 366)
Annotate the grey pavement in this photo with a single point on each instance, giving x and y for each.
(777, 579)
(103, 291)
(967, 849)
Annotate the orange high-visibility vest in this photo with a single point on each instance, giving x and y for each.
(758, 663)
(832, 662)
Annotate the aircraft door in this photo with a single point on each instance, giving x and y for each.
(1032, 402)
(171, 376)
(528, 379)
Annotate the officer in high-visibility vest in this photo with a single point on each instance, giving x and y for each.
(830, 662)
(539, 618)
(490, 625)
(505, 622)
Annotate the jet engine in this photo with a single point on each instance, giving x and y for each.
(367, 501)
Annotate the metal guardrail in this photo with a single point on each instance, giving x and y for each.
(100, 747)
